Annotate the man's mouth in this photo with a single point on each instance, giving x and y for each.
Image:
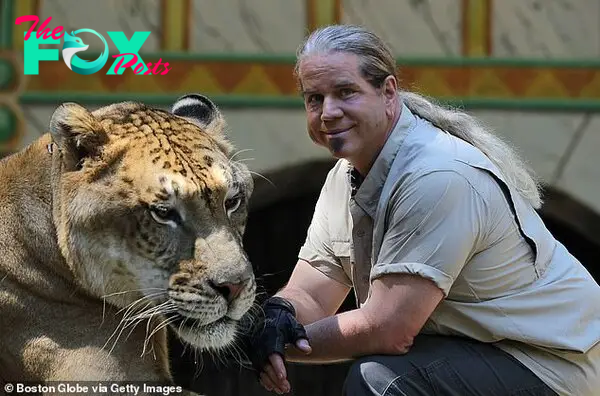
(336, 131)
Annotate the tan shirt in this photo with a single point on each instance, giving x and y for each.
(435, 206)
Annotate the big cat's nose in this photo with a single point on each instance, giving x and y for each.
(229, 290)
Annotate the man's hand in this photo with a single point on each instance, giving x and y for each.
(269, 343)
(274, 375)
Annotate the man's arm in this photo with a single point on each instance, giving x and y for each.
(435, 224)
(314, 295)
(397, 309)
(387, 324)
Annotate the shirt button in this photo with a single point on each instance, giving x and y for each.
(360, 233)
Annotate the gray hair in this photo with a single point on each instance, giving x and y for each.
(377, 63)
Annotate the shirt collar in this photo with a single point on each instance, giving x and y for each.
(368, 190)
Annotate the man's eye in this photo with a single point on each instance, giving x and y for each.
(346, 92)
(314, 99)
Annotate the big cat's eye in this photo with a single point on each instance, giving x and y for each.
(165, 215)
(232, 204)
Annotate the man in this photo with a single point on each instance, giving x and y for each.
(431, 219)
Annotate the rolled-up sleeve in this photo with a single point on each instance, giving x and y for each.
(318, 247)
(434, 225)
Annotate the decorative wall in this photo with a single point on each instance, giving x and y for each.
(464, 51)
(529, 68)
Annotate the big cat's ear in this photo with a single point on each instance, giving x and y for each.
(77, 134)
(200, 110)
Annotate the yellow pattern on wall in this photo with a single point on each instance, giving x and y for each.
(476, 24)
(259, 78)
(323, 12)
(176, 17)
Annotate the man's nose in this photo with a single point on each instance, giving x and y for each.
(331, 109)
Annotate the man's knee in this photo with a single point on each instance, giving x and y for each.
(368, 376)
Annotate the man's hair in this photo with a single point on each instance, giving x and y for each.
(377, 63)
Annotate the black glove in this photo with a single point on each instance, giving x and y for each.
(279, 328)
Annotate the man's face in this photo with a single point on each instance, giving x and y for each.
(345, 113)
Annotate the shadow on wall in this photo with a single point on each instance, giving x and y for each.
(276, 229)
